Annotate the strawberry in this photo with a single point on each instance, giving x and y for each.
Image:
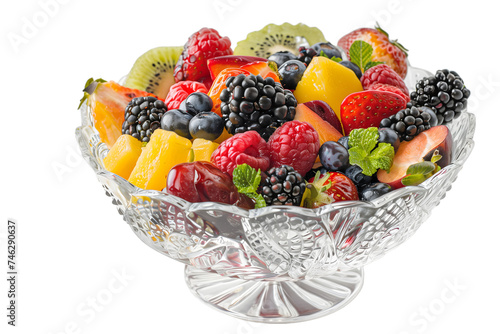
(367, 108)
(328, 188)
(384, 50)
(201, 46)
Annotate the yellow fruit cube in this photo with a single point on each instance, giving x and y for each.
(122, 157)
(327, 80)
(164, 150)
(203, 149)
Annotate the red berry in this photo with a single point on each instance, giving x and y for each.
(201, 46)
(179, 91)
(367, 108)
(248, 147)
(201, 181)
(328, 188)
(385, 75)
(389, 88)
(294, 144)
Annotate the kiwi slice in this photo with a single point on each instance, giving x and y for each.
(273, 38)
(153, 72)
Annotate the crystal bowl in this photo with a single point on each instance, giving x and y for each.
(280, 263)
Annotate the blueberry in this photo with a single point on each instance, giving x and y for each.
(334, 156)
(328, 48)
(350, 65)
(374, 190)
(207, 125)
(182, 106)
(197, 102)
(291, 72)
(281, 57)
(388, 135)
(355, 173)
(344, 141)
(177, 121)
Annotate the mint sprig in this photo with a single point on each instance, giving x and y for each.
(247, 181)
(361, 53)
(367, 153)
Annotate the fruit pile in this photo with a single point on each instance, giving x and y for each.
(287, 118)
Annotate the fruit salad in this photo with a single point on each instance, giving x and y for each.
(286, 118)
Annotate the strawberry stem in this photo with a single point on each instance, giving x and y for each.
(393, 42)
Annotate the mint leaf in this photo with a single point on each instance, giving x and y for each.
(382, 156)
(260, 202)
(360, 157)
(366, 139)
(247, 181)
(365, 152)
(246, 178)
(360, 53)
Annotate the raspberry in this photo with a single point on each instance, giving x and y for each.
(248, 147)
(385, 75)
(294, 144)
(201, 46)
(179, 91)
(389, 88)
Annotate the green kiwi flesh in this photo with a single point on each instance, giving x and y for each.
(273, 38)
(153, 72)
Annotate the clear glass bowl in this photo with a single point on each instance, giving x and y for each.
(279, 263)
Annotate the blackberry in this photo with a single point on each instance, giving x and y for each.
(250, 102)
(282, 186)
(143, 116)
(410, 122)
(444, 92)
(306, 55)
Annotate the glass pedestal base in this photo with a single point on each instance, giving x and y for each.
(275, 301)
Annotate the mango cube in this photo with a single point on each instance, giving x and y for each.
(122, 157)
(327, 80)
(164, 150)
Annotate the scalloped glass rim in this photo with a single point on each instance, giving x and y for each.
(98, 150)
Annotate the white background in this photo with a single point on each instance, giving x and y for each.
(73, 244)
